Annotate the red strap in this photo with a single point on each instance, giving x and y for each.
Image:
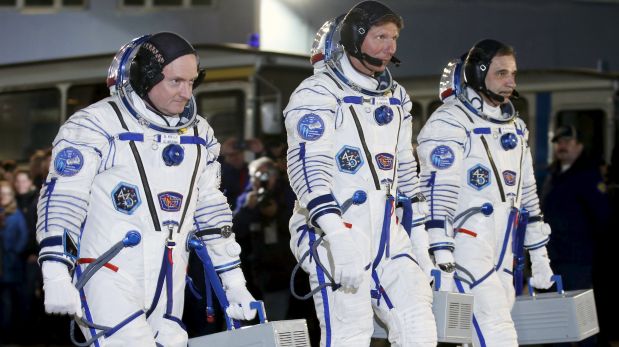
(90, 260)
(468, 232)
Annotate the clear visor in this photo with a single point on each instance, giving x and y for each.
(118, 72)
(451, 85)
(327, 40)
(317, 53)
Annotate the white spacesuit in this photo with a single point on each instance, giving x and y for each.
(349, 138)
(119, 166)
(477, 174)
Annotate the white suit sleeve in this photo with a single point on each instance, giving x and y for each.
(213, 211)
(408, 179)
(538, 232)
(310, 124)
(441, 151)
(78, 149)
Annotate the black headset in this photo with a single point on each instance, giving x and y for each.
(356, 25)
(145, 72)
(477, 63)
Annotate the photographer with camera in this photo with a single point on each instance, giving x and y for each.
(261, 225)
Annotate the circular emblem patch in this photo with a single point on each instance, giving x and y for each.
(442, 157)
(311, 127)
(68, 162)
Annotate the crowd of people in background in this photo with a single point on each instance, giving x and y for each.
(20, 276)
(262, 200)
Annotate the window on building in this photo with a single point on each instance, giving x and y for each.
(166, 3)
(44, 4)
(30, 121)
(33, 3)
(224, 110)
(590, 126)
(80, 96)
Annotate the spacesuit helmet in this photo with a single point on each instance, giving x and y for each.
(358, 22)
(477, 62)
(153, 55)
(318, 52)
(138, 67)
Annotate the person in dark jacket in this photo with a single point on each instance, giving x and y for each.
(261, 223)
(575, 204)
(13, 239)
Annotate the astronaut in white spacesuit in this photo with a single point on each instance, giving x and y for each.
(477, 175)
(138, 166)
(349, 134)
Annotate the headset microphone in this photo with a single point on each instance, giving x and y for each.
(395, 61)
(494, 96)
(377, 62)
(372, 60)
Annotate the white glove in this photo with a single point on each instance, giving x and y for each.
(445, 257)
(419, 240)
(61, 296)
(540, 268)
(238, 295)
(348, 266)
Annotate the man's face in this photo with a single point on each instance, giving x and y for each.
(567, 150)
(501, 77)
(380, 43)
(172, 94)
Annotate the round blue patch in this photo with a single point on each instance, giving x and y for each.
(68, 162)
(442, 157)
(311, 127)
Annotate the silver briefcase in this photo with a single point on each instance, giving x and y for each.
(453, 313)
(285, 333)
(568, 316)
